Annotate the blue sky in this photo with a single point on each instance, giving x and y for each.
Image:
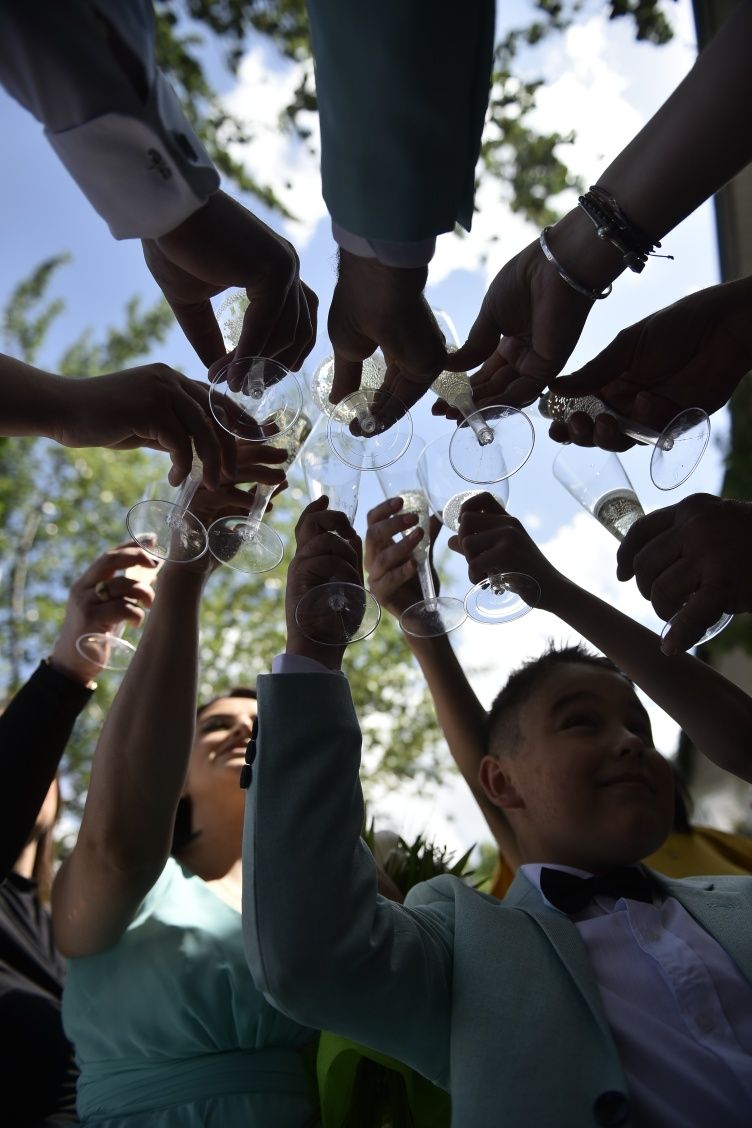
(601, 84)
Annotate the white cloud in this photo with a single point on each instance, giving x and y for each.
(275, 156)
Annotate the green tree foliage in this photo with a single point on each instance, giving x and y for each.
(527, 165)
(60, 508)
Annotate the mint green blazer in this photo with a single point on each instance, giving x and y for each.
(402, 88)
(494, 1001)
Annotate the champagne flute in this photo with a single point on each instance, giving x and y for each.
(495, 442)
(364, 441)
(334, 613)
(434, 614)
(504, 596)
(167, 529)
(374, 373)
(109, 649)
(253, 392)
(242, 541)
(677, 449)
(598, 481)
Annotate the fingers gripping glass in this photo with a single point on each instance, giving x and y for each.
(598, 481)
(168, 530)
(434, 614)
(243, 542)
(499, 598)
(251, 393)
(366, 441)
(334, 613)
(677, 449)
(108, 649)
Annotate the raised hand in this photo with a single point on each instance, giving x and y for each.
(691, 560)
(99, 602)
(150, 406)
(383, 306)
(223, 245)
(690, 354)
(493, 542)
(529, 322)
(391, 567)
(327, 548)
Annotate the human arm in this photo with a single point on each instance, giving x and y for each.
(399, 144)
(695, 142)
(322, 945)
(149, 406)
(691, 692)
(692, 560)
(87, 71)
(37, 722)
(392, 576)
(140, 762)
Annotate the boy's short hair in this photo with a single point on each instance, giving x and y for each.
(502, 723)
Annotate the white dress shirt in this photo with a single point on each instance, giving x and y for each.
(679, 1009)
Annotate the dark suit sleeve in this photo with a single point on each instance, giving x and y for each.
(402, 88)
(34, 730)
(322, 945)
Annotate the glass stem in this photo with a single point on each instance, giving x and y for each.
(188, 488)
(641, 434)
(465, 403)
(425, 578)
(118, 631)
(363, 413)
(258, 509)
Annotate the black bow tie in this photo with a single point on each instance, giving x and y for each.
(571, 894)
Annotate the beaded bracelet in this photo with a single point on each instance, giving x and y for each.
(612, 224)
(594, 295)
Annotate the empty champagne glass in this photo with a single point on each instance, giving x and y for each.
(167, 529)
(244, 542)
(677, 449)
(253, 392)
(598, 481)
(109, 649)
(334, 613)
(501, 597)
(434, 614)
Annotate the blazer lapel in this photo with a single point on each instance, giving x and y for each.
(723, 907)
(566, 941)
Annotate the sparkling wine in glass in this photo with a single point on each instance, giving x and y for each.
(501, 597)
(109, 649)
(677, 449)
(374, 373)
(434, 614)
(598, 481)
(244, 542)
(334, 613)
(167, 529)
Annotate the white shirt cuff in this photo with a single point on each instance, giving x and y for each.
(144, 181)
(388, 254)
(299, 664)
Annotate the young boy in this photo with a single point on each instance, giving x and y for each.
(628, 1004)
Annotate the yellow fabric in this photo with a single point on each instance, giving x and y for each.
(702, 851)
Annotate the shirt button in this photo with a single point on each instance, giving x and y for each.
(611, 1109)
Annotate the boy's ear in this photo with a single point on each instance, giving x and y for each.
(496, 781)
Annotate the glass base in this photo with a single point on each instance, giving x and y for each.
(713, 630)
(253, 397)
(364, 442)
(679, 449)
(476, 459)
(109, 651)
(337, 613)
(159, 529)
(433, 617)
(244, 545)
(503, 598)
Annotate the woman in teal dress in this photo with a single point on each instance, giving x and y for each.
(169, 1030)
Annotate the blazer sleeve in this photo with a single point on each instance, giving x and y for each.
(86, 70)
(402, 88)
(322, 945)
(34, 729)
